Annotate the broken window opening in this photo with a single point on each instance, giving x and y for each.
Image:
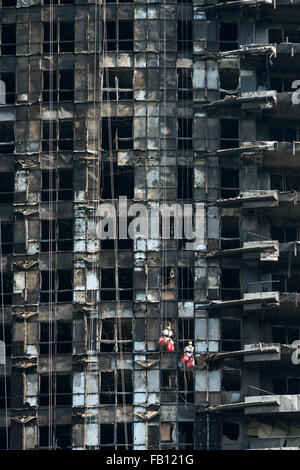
(112, 436)
(124, 334)
(57, 235)
(108, 335)
(230, 186)
(107, 390)
(108, 284)
(284, 234)
(185, 283)
(57, 185)
(285, 134)
(279, 282)
(230, 232)
(55, 338)
(117, 84)
(6, 281)
(9, 78)
(58, 2)
(7, 181)
(285, 334)
(284, 182)
(186, 386)
(123, 181)
(228, 36)
(231, 431)
(8, 39)
(168, 380)
(49, 86)
(275, 36)
(185, 84)
(107, 436)
(58, 37)
(168, 283)
(58, 86)
(66, 37)
(49, 139)
(284, 283)
(118, 35)
(230, 284)
(66, 85)
(229, 81)
(286, 385)
(57, 135)
(5, 392)
(120, 244)
(7, 137)
(185, 182)
(185, 435)
(9, 3)
(231, 380)
(231, 334)
(117, 133)
(65, 138)
(50, 42)
(124, 440)
(56, 286)
(229, 133)
(63, 436)
(116, 387)
(281, 83)
(4, 434)
(6, 336)
(184, 36)
(286, 33)
(124, 387)
(116, 335)
(185, 134)
(7, 237)
(186, 332)
(55, 390)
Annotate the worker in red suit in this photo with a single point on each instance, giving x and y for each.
(166, 339)
(188, 356)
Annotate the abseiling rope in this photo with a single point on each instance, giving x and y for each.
(4, 340)
(52, 273)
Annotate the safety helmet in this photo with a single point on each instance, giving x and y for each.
(190, 342)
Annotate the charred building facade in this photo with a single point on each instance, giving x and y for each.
(161, 101)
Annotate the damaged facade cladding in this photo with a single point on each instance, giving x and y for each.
(159, 101)
(250, 117)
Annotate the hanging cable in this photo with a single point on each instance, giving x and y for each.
(4, 340)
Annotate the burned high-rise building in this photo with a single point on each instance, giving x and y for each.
(181, 103)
